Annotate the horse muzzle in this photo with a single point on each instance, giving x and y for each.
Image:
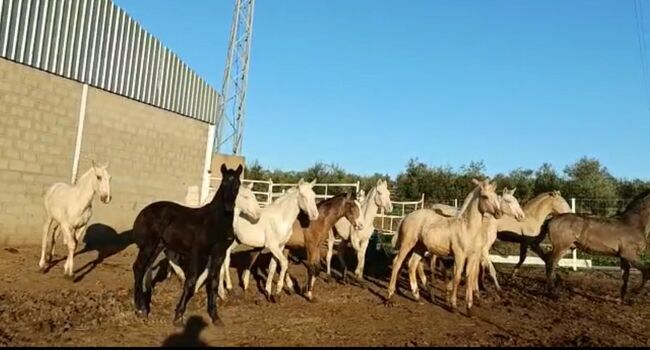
(520, 217)
(106, 199)
(498, 214)
(313, 216)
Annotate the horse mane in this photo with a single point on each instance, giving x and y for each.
(536, 200)
(285, 196)
(637, 202)
(467, 201)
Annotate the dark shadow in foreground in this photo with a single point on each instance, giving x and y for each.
(190, 335)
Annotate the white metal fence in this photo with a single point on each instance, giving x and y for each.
(96, 43)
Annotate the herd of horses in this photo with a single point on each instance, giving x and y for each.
(198, 241)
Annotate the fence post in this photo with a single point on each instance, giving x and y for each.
(456, 203)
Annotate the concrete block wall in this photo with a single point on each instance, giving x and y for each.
(154, 154)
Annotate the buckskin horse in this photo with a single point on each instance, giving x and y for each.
(623, 235)
(201, 235)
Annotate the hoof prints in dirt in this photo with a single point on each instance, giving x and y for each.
(31, 320)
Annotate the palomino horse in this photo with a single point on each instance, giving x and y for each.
(443, 236)
(623, 235)
(526, 232)
(201, 235)
(245, 205)
(69, 208)
(272, 231)
(309, 235)
(510, 209)
(378, 197)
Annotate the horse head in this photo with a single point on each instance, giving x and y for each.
(559, 205)
(247, 203)
(382, 197)
(353, 211)
(102, 183)
(510, 205)
(307, 198)
(229, 188)
(488, 198)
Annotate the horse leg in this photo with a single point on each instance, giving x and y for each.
(635, 261)
(413, 264)
(71, 243)
(246, 274)
(551, 264)
(328, 256)
(473, 264)
(421, 274)
(523, 251)
(361, 260)
(196, 260)
(215, 262)
(313, 257)
(452, 286)
(340, 254)
(492, 271)
(432, 266)
(273, 264)
(46, 256)
(146, 256)
(625, 266)
(404, 249)
(284, 265)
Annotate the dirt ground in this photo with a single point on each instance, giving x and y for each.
(45, 309)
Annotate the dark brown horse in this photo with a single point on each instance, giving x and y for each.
(623, 235)
(200, 235)
(310, 235)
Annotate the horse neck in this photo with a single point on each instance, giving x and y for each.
(287, 206)
(640, 219)
(537, 213)
(84, 191)
(369, 207)
(472, 217)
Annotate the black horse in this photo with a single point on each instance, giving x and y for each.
(200, 235)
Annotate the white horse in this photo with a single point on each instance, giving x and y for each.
(378, 197)
(69, 208)
(246, 205)
(272, 231)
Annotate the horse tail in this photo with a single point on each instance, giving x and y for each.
(543, 231)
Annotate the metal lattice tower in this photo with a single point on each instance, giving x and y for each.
(232, 109)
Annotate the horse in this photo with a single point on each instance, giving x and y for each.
(460, 236)
(272, 231)
(527, 232)
(623, 235)
(69, 209)
(378, 197)
(309, 235)
(246, 205)
(201, 235)
(510, 209)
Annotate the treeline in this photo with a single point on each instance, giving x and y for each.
(587, 180)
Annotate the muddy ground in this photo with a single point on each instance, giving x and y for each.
(46, 309)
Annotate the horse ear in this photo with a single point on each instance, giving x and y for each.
(239, 170)
(513, 191)
(477, 182)
(301, 182)
(313, 183)
(93, 163)
(506, 191)
(379, 181)
(106, 165)
(223, 169)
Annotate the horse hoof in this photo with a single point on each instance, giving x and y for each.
(69, 277)
(470, 312)
(142, 314)
(389, 303)
(453, 309)
(275, 298)
(178, 321)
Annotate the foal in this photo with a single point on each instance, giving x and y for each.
(309, 235)
(69, 208)
(201, 235)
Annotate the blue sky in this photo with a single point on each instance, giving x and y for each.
(368, 84)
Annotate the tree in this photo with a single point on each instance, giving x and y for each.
(591, 182)
(546, 180)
